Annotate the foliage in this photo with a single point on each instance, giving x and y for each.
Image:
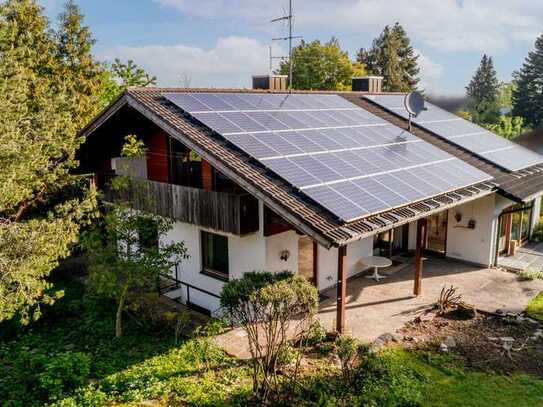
(535, 307)
(44, 100)
(270, 308)
(144, 364)
(316, 333)
(83, 76)
(527, 96)
(321, 66)
(122, 75)
(64, 372)
(484, 86)
(393, 57)
(537, 234)
(127, 257)
(347, 352)
(507, 127)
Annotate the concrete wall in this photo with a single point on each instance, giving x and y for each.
(275, 245)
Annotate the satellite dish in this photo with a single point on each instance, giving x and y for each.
(414, 103)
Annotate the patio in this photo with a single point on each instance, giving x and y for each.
(374, 308)
(530, 256)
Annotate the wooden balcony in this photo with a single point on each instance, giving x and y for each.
(231, 213)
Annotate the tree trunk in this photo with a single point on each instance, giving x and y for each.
(119, 317)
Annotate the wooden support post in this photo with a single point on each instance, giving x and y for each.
(316, 265)
(341, 290)
(421, 238)
(207, 176)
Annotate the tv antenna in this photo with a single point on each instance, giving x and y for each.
(289, 19)
(414, 104)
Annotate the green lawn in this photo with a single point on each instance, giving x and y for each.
(447, 384)
(535, 308)
(42, 364)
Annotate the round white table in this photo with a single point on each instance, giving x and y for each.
(376, 262)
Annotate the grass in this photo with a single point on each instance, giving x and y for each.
(448, 384)
(535, 307)
(147, 366)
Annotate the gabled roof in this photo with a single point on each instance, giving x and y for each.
(281, 197)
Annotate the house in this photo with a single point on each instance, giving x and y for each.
(313, 182)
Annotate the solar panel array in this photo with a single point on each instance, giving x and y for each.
(348, 160)
(466, 134)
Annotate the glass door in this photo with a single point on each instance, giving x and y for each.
(306, 266)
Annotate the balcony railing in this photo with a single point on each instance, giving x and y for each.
(231, 213)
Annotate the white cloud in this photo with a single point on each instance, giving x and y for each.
(430, 73)
(231, 63)
(450, 25)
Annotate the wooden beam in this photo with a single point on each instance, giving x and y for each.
(341, 289)
(316, 264)
(421, 237)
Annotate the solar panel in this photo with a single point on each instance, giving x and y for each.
(348, 160)
(465, 134)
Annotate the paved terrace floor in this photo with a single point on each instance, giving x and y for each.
(527, 257)
(376, 308)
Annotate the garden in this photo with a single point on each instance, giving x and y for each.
(70, 357)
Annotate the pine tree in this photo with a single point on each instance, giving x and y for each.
(484, 86)
(528, 94)
(392, 57)
(483, 91)
(84, 77)
(41, 204)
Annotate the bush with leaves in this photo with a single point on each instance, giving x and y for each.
(63, 373)
(272, 309)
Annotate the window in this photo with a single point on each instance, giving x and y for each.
(214, 255)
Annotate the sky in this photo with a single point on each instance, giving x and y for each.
(221, 43)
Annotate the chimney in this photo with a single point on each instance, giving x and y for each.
(371, 84)
(270, 82)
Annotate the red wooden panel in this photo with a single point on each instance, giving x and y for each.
(157, 158)
(207, 176)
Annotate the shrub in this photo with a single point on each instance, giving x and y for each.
(64, 372)
(271, 308)
(316, 333)
(347, 352)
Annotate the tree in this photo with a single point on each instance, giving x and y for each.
(528, 95)
(126, 251)
(321, 66)
(120, 76)
(483, 91)
(83, 76)
(392, 57)
(271, 308)
(42, 206)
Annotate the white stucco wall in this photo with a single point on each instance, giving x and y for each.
(247, 253)
(475, 245)
(327, 261)
(275, 245)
